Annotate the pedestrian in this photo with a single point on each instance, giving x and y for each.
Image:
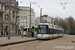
(7, 33)
(32, 34)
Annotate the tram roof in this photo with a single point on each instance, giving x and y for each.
(43, 23)
(53, 27)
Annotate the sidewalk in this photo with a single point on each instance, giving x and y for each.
(10, 36)
(13, 40)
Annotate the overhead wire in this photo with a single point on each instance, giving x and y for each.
(69, 10)
(66, 12)
(39, 6)
(64, 7)
(63, 4)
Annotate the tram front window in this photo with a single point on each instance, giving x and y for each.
(24, 29)
(42, 29)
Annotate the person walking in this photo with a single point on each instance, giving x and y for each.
(7, 33)
(33, 33)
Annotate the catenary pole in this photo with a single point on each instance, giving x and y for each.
(9, 18)
(40, 15)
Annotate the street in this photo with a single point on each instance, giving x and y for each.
(62, 43)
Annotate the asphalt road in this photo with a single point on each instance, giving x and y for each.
(63, 43)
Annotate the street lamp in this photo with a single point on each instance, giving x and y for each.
(30, 14)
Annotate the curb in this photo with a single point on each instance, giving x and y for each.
(10, 36)
(73, 41)
(12, 43)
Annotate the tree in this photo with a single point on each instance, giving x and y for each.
(63, 24)
(71, 23)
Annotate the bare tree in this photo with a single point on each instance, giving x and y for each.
(71, 22)
(63, 24)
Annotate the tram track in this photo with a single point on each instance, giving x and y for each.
(41, 44)
(35, 46)
(60, 41)
(63, 44)
(37, 42)
(21, 45)
(29, 44)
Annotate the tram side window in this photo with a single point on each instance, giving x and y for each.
(59, 31)
(62, 31)
(54, 31)
(51, 31)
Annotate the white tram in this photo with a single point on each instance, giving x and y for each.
(24, 31)
(47, 31)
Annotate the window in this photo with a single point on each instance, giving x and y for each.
(21, 9)
(24, 29)
(43, 29)
(26, 13)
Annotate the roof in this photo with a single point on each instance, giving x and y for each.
(53, 26)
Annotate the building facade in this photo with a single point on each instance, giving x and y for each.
(24, 17)
(13, 17)
(2, 10)
(44, 19)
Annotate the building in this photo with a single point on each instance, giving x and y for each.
(2, 10)
(44, 19)
(13, 18)
(37, 21)
(24, 17)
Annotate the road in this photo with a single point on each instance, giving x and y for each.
(63, 43)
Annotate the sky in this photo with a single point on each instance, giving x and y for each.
(53, 8)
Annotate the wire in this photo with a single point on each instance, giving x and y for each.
(70, 11)
(66, 2)
(66, 12)
(63, 4)
(60, 2)
(29, 1)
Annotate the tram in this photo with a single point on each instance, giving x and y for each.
(24, 31)
(48, 31)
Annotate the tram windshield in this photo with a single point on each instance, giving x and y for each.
(43, 29)
(24, 29)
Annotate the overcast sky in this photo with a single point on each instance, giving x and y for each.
(52, 7)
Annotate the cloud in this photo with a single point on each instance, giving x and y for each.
(52, 7)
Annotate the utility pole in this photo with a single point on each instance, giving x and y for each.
(9, 18)
(30, 18)
(4, 22)
(40, 14)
